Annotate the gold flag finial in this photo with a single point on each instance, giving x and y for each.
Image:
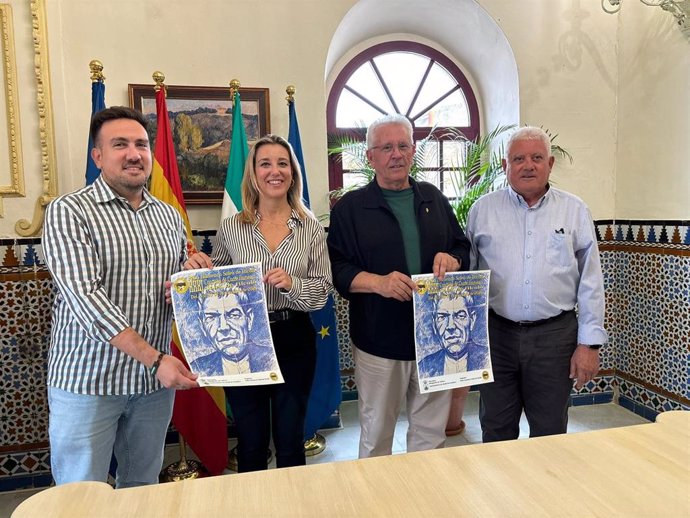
(96, 68)
(234, 86)
(158, 77)
(290, 90)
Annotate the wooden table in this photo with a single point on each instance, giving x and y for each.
(641, 470)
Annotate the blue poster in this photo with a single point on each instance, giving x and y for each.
(222, 320)
(451, 330)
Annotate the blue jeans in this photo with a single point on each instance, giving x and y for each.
(85, 431)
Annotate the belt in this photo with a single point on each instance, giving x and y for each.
(529, 323)
(280, 315)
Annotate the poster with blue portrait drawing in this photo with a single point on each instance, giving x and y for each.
(452, 330)
(223, 325)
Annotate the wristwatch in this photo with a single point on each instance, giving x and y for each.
(593, 346)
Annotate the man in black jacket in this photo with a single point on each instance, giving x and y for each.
(379, 235)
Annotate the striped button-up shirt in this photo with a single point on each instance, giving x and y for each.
(302, 254)
(109, 263)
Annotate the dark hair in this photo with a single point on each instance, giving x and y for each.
(111, 114)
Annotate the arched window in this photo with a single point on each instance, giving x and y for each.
(414, 80)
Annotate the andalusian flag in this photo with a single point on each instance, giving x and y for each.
(198, 414)
(97, 104)
(326, 393)
(232, 199)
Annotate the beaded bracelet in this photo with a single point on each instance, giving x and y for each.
(156, 364)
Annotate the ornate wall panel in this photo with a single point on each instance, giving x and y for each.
(13, 184)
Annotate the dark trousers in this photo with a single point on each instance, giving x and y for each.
(531, 368)
(281, 409)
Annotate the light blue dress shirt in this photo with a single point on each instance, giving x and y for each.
(543, 259)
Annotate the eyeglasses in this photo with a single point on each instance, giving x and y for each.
(388, 148)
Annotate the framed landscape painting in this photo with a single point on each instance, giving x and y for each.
(201, 126)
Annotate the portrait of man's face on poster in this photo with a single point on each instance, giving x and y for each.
(227, 319)
(454, 342)
(453, 322)
(230, 324)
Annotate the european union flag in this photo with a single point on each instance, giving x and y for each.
(97, 104)
(325, 390)
(296, 143)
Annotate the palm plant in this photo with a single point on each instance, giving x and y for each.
(353, 152)
(474, 170)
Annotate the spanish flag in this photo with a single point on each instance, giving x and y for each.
(198, 414)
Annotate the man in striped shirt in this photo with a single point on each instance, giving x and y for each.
(110, 247)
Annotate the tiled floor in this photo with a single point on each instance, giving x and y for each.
(342, 444)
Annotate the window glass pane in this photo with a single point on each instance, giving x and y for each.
(352, 112)
(402, 73)
(453, 153)
(354, 157)
(452, 111)
(438, 83)
(452, 187)
(366, 83)
(427, 153)
(353, 179)
(431, 176)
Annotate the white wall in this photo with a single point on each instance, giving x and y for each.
(568, 74)
(653, 179)
(627, 140)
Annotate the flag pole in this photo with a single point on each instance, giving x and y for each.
(184, 469)
(234, 86)
(97, 104)
(317, 443)
(232, 454)
(237, 110)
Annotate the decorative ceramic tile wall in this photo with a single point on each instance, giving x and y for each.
(646, 266)
(26, 296)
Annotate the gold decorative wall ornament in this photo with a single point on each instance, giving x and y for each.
(14, 138)
(46, 129)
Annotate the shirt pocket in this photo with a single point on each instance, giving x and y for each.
(559, 250)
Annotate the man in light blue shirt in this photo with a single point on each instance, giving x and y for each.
(546, 295)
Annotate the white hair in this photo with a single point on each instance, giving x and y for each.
(529, 133)
(393, 118)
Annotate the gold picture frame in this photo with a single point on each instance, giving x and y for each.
(14, 140)
(203, 147)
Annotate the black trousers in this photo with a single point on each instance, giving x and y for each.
(531, 368)
(281, 409)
